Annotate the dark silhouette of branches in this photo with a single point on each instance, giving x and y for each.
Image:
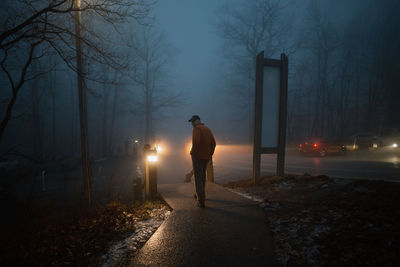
(247, 29)
(48, 25)
(153, 55)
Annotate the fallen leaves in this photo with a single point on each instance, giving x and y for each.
(318, 221)
(71, 240)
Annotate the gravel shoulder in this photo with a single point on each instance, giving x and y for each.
(320, 221)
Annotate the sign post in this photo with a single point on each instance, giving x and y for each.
(270, 112)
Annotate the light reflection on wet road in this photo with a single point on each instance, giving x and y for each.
(234, 162)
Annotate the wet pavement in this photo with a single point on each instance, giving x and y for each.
(234, 162)
(230, 231)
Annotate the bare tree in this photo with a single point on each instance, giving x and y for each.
(153, 56)
(352, 68)
(110, 91)
(383, 68)
(247, 29)
(321, 40)
(48, 25)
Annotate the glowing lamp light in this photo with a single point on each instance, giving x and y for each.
(136, 141)
(159, 148)
(152, 158)
(315, 145)
(395, 145)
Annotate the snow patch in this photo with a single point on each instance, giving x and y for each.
(247, 195)
(144, 230)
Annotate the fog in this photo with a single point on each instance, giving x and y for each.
(95, 98)
(148, 66)
(341, 62)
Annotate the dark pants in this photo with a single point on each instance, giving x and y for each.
(199, 168)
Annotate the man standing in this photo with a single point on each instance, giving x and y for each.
(203, 146)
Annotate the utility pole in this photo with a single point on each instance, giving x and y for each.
(86, 172)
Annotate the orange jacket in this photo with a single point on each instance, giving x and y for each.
(203, 142)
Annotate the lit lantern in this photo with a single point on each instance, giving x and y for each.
(151, 172)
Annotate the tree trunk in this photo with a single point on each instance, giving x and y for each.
(112, 122)
(104, 132)
(36, 122)
(148, 108)
(73, 116)
(7, 116)
(251, 137)
(53, 104)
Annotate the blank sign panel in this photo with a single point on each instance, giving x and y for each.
(270, 110)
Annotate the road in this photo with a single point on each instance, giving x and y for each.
(234, 162)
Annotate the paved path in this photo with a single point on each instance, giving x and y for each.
(230, 231)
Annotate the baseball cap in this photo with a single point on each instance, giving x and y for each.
(194, 118)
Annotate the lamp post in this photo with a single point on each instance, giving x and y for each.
(151, 172)
(82, 106)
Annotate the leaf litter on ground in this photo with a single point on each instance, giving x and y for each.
(78, 239)
(317, 220)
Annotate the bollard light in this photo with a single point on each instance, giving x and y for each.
(152, 158)
(151, 171)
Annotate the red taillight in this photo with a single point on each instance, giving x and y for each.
(300, 145)
(315, 145)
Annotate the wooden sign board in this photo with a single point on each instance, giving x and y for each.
(270, 112)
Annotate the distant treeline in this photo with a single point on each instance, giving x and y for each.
(345, 79)
(344, 62)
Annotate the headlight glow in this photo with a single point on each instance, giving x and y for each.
(394, 145)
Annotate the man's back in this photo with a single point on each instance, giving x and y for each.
(203, 144)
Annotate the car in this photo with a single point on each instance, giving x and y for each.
(390, 138)
(321, 147)
(366, 141)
